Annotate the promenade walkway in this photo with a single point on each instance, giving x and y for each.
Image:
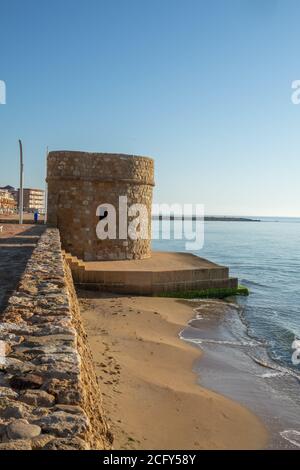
(17, 242)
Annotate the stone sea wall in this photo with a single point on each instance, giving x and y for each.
(49, 395)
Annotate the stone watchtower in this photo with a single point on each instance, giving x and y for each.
(79, 182)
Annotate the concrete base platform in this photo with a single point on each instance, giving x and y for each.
(163, 272)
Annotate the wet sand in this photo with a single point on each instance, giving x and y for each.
(239, 366)
(150, 392)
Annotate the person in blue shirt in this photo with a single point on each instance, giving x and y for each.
(36, 216)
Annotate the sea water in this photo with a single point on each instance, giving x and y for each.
(248, 342)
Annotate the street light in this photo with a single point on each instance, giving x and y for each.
(21, 184)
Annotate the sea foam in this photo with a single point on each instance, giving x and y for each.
(292, 436)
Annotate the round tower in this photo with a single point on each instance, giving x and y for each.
(82, 188)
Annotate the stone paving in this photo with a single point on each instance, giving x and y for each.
(17, 243)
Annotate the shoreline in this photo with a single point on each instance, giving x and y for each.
(238, 366)
(148, 379)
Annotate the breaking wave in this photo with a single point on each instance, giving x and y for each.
(292, 436)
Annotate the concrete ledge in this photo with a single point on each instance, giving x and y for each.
(49, 395)
(163, 272)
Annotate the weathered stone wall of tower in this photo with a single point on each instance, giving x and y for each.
(78, 182)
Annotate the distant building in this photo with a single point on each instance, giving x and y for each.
(8, 203)
(13, 192)
(8, 188)
(33, 199)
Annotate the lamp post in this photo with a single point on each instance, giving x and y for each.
(21, 184)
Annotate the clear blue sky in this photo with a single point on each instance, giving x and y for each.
(202, 86)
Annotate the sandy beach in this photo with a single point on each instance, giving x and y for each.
(150, 392)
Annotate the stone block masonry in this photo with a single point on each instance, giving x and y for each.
(79, 182)
(49, 395)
